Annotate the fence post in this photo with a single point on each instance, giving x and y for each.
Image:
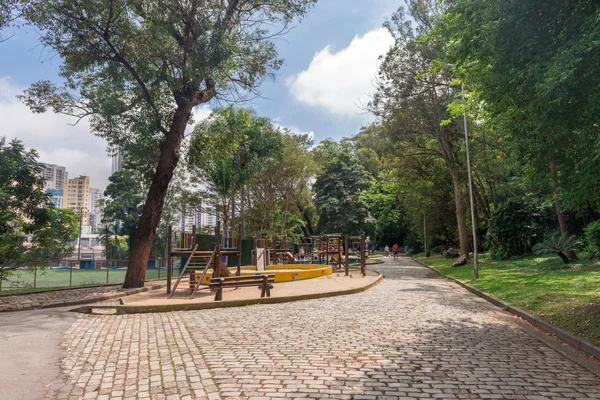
(169, 260)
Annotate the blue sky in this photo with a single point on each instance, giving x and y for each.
(330, 66)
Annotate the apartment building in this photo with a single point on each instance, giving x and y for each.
(55, 176)
(56, 197)
(76, 197)
(117, 160)
(95, 207)
(201, 217)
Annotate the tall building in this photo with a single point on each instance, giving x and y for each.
(95, 207)
(56, 197)
(55, 176)
(76, 197)
(201, 217)
(117, 160)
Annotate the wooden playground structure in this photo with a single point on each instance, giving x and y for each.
(278, 250)
(211, 266)
(183, 244)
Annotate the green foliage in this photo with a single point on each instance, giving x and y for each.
(515, 226)
(138, 70)
(126, 201)
(31, 229)
(535, 66)
(559, 245)
(278, 198)
(338, 197)
(592, 239)
(385, 206)
(228, 149)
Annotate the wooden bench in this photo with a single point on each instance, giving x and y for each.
(263, 282)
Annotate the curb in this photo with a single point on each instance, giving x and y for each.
(567, 337)
(125, 309)
(90, 300)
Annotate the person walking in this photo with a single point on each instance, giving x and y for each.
(406, 249)
(387, 250)
(395, 248)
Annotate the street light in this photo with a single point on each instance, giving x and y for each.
(475, 260)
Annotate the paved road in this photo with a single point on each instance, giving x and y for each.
(30, 352)
(413, 336)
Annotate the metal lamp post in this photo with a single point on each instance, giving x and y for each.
(475, 261)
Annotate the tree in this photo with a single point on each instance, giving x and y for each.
(338, 200)
(138, 69)
(125, 204)
(227, 150)
(535, 66)
(278, 199)
(31, 229)
(413, 97)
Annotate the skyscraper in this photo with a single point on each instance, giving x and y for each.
(117, 160)
(55, 176)
(76, 197)
(95, 209)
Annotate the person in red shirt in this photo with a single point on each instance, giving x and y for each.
(395, 248)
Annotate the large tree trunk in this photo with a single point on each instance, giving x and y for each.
(167, 162)
(562, 219)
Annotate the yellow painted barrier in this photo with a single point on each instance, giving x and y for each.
(283, 273)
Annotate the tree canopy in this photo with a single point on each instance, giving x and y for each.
(137, 69)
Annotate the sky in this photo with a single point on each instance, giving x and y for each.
(331, 63)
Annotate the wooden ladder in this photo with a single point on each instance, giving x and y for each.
(212, 261)
(183, 271)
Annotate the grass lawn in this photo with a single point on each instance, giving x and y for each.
(566, 295)
(22, 281)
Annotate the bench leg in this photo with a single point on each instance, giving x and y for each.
(263, 290)
(219, 295)
(269, 287)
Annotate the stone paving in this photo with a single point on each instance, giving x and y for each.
(58, 298)
(413, 336)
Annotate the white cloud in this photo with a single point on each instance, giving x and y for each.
(56, 141)
(199, 114)
(342, 81)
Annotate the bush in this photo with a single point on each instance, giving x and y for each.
(591, 234)
(514, 227)
(559, 245)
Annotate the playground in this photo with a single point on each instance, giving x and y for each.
(222, 268)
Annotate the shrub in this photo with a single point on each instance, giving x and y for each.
(514, 227)
(558, 245)
(591, 234)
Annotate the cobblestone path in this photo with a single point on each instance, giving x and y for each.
(413, 336)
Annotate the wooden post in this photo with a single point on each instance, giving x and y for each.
(239, 254)
(339, 250)
(274, 250)
(169, 259)
(347, 256)
(217, 261)
(193, 237)
(363, 258)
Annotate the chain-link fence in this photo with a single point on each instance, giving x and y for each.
(75, 273)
